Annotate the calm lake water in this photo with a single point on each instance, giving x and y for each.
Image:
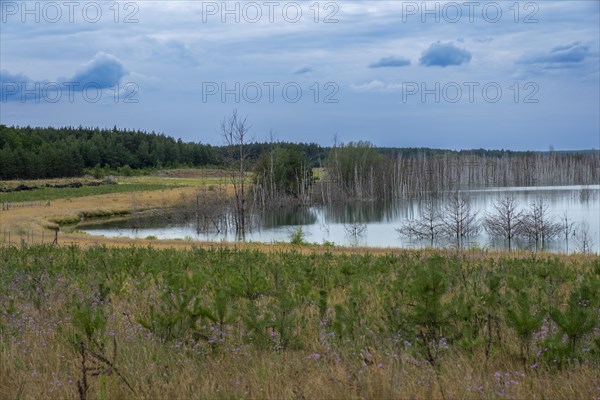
(374, 224)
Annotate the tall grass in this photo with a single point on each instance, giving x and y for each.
(147, 323)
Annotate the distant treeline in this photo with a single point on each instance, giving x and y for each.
(360, 171)
(33, 153)
(30, 153)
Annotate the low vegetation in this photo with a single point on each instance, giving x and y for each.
(147, 323)
(296, 320)
(44, 194)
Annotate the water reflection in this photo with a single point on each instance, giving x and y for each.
(288, 217)
(376, 223)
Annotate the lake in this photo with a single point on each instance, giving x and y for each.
(375, 224)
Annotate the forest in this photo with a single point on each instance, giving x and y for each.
(359, 168)
(37, 153)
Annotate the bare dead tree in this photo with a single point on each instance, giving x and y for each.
(211, 210)
(506, 220)
(584, 238)
(459, 221)
(566, 226)
(235, 131)
(538, 225)
(417, 175)
(355, 228)
(427, 226)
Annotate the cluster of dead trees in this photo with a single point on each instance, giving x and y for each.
(280, 176)
(358, 171)
(457, 223)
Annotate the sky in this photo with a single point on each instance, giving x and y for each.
(458, 75)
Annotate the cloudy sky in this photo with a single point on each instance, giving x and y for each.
(512, 75)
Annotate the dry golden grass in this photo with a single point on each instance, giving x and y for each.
(43, 217)
(43, 366)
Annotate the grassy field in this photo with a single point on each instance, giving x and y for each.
(48, 208)
(108, 323)
(43, 194)
(163, 179)
(108, 318)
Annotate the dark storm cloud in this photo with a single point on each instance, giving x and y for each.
(104, 70)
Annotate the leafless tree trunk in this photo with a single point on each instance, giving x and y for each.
(427, 226)
(505, 221)
(584, 239)
(459, 221)
(538, 225)
(234, 130)
(566, 227)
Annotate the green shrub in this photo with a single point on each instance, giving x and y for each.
(297, 236)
